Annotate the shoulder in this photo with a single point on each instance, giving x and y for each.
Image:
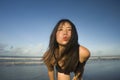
(84, 53)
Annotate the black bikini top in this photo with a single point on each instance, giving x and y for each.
(79, 68)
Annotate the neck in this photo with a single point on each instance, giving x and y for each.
(61, 48)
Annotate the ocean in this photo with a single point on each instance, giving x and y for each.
(33, 69)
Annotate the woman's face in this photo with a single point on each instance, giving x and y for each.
(63, 34)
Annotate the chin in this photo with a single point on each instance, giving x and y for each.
(63, 44)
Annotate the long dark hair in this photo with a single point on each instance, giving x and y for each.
(71, 52)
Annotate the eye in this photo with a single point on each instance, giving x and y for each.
(60, 29)
(69, 29)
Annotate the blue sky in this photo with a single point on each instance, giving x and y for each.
(25, 25)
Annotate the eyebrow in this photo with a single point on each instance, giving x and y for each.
(62, 24)
(66, 27)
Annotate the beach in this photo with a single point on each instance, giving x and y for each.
(94, 70)
(102, 70)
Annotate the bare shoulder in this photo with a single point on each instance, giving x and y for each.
(84, 53)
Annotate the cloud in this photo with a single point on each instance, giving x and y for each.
(106, 52)
(28, 50)
(39, 49)
(2, 46)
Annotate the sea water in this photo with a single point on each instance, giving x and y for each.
(102, 70)
(94, 70)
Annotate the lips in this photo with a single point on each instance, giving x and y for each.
(65, 38)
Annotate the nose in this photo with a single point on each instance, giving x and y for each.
(65, 32)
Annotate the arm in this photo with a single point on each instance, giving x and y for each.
(51, 74)
(84, 55)
(78, 74)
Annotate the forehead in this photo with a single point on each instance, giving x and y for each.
(65, 24)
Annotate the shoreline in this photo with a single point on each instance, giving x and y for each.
(29, 60)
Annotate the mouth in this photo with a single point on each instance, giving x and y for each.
(65, 38)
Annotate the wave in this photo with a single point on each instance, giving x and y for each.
(30, 60)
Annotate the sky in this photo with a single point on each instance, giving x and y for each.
(26, 25)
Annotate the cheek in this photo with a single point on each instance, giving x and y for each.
(58, 36)
(69, 34)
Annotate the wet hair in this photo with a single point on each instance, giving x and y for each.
(71, 52)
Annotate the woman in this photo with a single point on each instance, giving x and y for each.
(65, 53)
